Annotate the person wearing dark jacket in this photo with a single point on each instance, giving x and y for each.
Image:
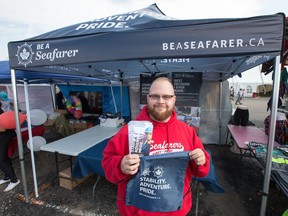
(5, 162)
(169, 135)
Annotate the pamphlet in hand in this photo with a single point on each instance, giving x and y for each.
(140, 137)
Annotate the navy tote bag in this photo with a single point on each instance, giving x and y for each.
(158, 185)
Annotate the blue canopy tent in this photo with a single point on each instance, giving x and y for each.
(122, 46)
(44, 77)
(66, 83)
(69, 82)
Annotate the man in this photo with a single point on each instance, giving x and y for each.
(239, 97)
(119, 165)
(148, 140)
(188, 120)
(232, 93)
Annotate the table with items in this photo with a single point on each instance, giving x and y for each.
(279, 169)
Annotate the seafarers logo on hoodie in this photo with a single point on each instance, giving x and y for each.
(25, 54)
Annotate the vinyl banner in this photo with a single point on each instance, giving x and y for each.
(158, 185)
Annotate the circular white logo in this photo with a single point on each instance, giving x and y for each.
(158, 171)
(25, 54)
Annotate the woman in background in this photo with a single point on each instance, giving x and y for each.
(5, 162)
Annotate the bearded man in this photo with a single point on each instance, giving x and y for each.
(169, 135)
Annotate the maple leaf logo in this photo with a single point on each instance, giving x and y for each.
(24, 54)
(158, 172)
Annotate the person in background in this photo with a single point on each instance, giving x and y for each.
(119, 165)
(84, 102)
(6, 102)
(232, 93)
(74, 104)
(242, 94)
(5, 162)
(239, 97)
(60, 100)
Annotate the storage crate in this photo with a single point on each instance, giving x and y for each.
(68, 181)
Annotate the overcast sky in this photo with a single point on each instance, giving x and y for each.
(24, 19)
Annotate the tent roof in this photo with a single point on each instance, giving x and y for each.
(146, 41)
(44, 77)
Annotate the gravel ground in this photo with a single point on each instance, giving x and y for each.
(241, 182)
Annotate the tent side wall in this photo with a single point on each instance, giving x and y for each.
(210, 122)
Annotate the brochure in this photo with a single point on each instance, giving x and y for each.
(140, 137)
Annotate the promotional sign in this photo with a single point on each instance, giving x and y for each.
(187, 90)
(187, 87)
(158, 185)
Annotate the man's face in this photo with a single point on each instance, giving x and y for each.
(161, 100)
(148, 136)
(188, 121)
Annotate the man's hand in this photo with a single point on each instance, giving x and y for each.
(198, 156)
(130, 164)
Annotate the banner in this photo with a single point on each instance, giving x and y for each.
(187, 90)
(158, 185)
(187, 87)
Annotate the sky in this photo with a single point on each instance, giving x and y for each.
(20, 19)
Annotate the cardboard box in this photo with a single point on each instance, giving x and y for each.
(70, 183)
(80, 126)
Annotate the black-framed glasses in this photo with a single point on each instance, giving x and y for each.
(157, 97)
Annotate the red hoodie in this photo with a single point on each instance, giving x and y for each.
(172, 136)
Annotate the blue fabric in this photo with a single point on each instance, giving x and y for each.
(144, 35)
(107, 99)
(89, 161)
(210, 181)
(281, 178)
(158, 185)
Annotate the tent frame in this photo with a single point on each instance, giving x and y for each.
(110, 64)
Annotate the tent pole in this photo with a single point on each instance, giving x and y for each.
(26, 94)
(267, 174)
(121, 97)
(19, 136)
(113, 98)
(121, 94)
(52, 87)
(220, 110)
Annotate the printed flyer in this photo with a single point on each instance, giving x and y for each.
(140, 137)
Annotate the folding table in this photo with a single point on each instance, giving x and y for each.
(242, 135)
(75, 144)
(90, 161)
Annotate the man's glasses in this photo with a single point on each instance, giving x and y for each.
(157, 97)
